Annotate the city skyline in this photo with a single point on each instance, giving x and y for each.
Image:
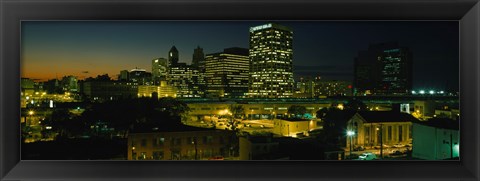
(56, 49)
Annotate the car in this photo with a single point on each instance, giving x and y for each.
(367, 156)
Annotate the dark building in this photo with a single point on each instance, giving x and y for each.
(271, 54)
(173, 56)
(226, 73)
(123, 76)
(102, 89)
(198, 59)
(180, 142)
(140, 77)
(383, 69)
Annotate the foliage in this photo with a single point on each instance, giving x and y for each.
(237, 113)
(297, 111)
(355, 105)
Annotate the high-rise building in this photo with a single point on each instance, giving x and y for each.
(186, 80)
(140, 77)
(226, 73)
(172, 56)
(198, 59)
(123, 75)
(384, 69)
(159, 70)
(271, 54)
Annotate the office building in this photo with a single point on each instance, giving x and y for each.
(271, 54)
(384, 69)
(226, 73)
(140, 77)
(159, 70)
(198, 59)
(187, 81)
(172, 56)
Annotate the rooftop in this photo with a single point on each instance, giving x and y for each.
(443, 123)
(386, 116)
(155, 128)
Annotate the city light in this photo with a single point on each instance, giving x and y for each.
(422, 92)
(350, 133)
(432, 92)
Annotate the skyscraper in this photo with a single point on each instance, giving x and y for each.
(159, 70)
(186, 80)
(271, 54)
(198, 59)
(227, 73)
(384, 69)
(172, 56)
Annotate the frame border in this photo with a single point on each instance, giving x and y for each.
(467, 12)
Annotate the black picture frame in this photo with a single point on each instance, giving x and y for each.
(12, 12)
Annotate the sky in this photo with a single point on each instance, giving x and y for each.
(53, 49)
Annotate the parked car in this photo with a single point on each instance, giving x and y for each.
(367, 156)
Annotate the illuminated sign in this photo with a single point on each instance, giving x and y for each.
(261, 27)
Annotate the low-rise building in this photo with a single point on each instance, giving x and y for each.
(179, 142)
(293, 127)
(163, 90)
(374, 128)
(436, 139)
(257, 147)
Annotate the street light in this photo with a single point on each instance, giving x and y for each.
(350, 133)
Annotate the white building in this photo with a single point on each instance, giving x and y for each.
(436, 139)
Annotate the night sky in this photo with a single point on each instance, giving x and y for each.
(320, 48)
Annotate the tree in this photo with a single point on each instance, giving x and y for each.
(355, 105)
(297, 111)
(237, 112)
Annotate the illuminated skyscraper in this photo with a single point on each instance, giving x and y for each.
(227, 73)
(384, 69)
(159, 70)
(271, 72)
(186, 80)
(172, 56)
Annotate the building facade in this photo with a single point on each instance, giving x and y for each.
(271, 58)
(293, 128)
(159, 70)
(186, 80)
(374, 128)
(140, 77)
(436, 139)
(173, 57)
(226, 73)
(189, 143)
(103, 90)
(383, 69)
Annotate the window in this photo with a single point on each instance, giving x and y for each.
(176, 141)
(158, 141)
(389, 133)
(143, 143)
